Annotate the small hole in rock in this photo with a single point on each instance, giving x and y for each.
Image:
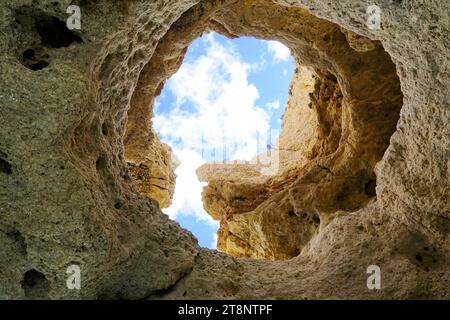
(39, 65)
(419, 258)
(370, 188)
(316, 218)
(54, 33)
(104, 129)
(35, 285)
(5, 166)
(35, 59)
(28, 54)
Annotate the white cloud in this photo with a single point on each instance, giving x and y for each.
(187, 197)
(274, 105)
(279, 51)
(260, 64)
(214, 242)
(214, 104)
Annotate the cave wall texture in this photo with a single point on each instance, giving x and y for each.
(364, 155)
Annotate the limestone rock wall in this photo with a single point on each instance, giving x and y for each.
(76, 109)
(66, 195)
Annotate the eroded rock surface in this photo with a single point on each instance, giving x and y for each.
(155, 176)
(374, 165)
(337, 126)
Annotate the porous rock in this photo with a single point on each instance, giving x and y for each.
(373, 169)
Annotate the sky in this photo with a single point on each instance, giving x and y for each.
(225, 99)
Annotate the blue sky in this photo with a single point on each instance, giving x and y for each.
(227, 92)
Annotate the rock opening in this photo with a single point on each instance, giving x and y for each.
(35, 285)
(344, 104)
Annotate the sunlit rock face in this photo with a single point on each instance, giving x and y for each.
(155, 176)
(363, 174)
(344, 104)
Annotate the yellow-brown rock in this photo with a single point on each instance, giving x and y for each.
(155, 176)
(334, 132)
